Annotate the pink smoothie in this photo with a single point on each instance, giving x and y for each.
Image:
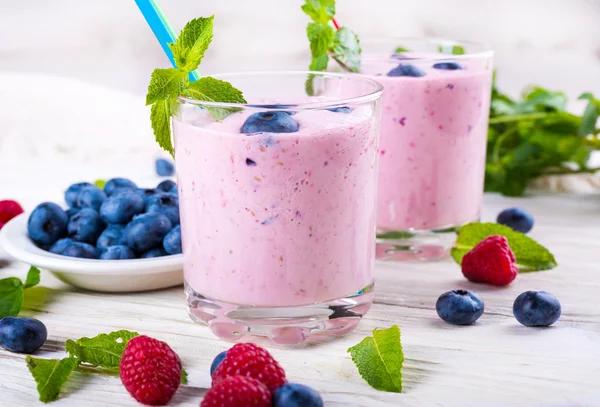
(433, 143)
(274, 219)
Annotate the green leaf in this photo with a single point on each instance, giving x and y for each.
(379, 359)
(50, 375)
(396, 235)
(319, 63)
(321, 38)
(346, 46)
(11, 297)
(100, 183)
(451, 49)
(400, 50)
(214, 90)
(184, 377)
(529, 254)
(540, 99)
(104, 350)
(160, 118)
(33, 277)
(590, 117)
(164, 84)
(320, 11)
(192, 43)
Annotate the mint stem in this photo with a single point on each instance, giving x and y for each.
(519, 117)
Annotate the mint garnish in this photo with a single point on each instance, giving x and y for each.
(12, 290)
(103, 350)
(451, 49)
(400, 50)
(100, 183)
(50, 375)
(530, 255)
(379, 359)
(167, 84)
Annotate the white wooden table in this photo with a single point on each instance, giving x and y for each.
(496, 363)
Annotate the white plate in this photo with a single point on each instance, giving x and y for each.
(96, 275)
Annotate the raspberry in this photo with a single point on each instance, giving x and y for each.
(491, 261)
(150, 370)
(237, 391)
(8, 210)
(247, 359)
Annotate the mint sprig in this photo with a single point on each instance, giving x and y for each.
(530, 255)
(103, 350)
(12, 290)
(379, 359)
(51, 375)
(167, 84)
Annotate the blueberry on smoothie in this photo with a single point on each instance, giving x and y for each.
(167, 186)
(165, 203)
(119, 252)
(406, 70)
(23, 335)
(116, 184)
(341, 109)
(80, 250)
(122, 207)
(172, 242)
(449, 66)
(270, 122)
(147, 231)
(59, 246)
(72, 192)
(47, 223)
(86, 226)
(90, 197)
(111, 236)
(164, 168)
(158, 252)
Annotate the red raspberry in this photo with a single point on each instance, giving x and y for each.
(8, 210)
(150, 370)
(247, 359)
(491, 261)
(237, 391)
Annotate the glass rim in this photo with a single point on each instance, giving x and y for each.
(367, 97)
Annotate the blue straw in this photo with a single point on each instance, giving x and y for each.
(161, 29)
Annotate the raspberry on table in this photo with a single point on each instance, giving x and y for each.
(250, 360)
(150, 370)
(237, 391)
(491, 261)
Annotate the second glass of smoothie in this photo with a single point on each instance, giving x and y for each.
(277, 202)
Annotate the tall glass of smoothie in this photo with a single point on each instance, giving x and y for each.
(277, 204)
(435, 109)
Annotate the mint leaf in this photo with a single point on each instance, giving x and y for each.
(184, 377)
(211, 89)
(320, 36)
(400, 50)
(11, 297)
(529, 254)
(165, 83)
(160, 117)
(346, 47)
(33, 277)
(50, 375)
(320, 11)
(100, 183)
(192, 43)
(379, 359)
(590, 117)
(451, 49)
(104, 350)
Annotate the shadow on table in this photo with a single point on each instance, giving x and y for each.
(37, 298)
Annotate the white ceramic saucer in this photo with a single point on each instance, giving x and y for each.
(96, 275)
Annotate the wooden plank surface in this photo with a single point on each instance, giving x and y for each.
(496, 363)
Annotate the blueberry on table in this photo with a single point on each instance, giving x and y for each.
(122, 207)
(459, 307)
(166, 204)
(158, 252)
(406, 70)
(448, 66)
(117, 183)
(270, 122)
(86, 226)
(172, 241)
(296, 395)
(217, 361)
(47, 223)
(167, 186)
(147, 231)
(517, 219)
(80, 250)
(72, 192)
(23, 335)
(90, 197)
(536, 308)
(341, 109)
(117, 253)
(59, 246)
(164, 168)
(111, 236)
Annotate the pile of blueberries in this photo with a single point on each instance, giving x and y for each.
(119, 222)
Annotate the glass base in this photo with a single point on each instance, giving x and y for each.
(281, 325)
(415, 245)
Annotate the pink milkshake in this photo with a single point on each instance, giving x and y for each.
(278, 228)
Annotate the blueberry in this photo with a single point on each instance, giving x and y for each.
(217, 361)
(86, 226)
(81, 250)
(72, 192)
(165, 203)
(118, 183)
(517, 219)
(270, 122)
(459, 307)
(147, 231)
(111, 236)
(47, 223)
(117, 253)
(449, 66)
(158, 252)
(164, 168)
(147, 192)
(72, 211)
(121, 207)
(341, 109)
(406, 70)
(59, 246)
(536, 308)
(90, 197)
(296, 395)
(23, 335)
(167, 186)
(172, 241)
